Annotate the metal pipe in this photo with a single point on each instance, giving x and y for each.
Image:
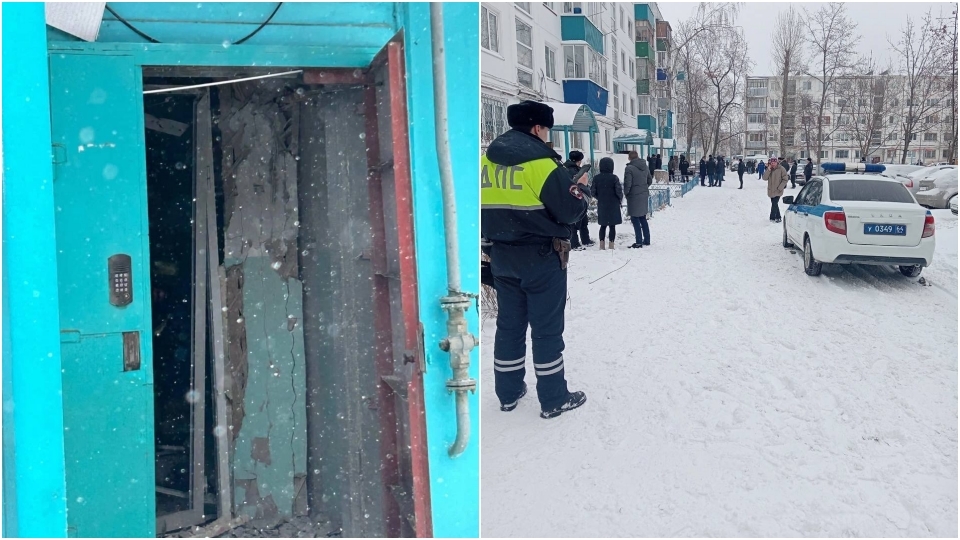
(443, 148)
(459, 341)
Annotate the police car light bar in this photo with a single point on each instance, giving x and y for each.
(852, 167)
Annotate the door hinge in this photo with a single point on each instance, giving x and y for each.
(58, 156)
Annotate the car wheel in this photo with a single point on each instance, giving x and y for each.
(810, 265)
(950, 202)
(786, 241)
(911, 271)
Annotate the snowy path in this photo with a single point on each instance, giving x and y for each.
(736, 398)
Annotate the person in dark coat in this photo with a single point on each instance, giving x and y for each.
(684, 168)
(703, 171)
(808, 170)
(651, 163)
(793, 173)
(712, 171)
(573, 165)
(609, 195)
(672, 168)
(636, 189)
(659, 163)
(741, 168)
(721, 169)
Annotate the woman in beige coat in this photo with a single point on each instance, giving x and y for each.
(777, 180)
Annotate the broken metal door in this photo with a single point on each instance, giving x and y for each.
(104, 285)
(400, 362)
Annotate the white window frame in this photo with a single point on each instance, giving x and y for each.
(495, 34)
(529, 70)
(493, 118)
(841, 154)
(608, 140)
(528, 10)
(550, 61)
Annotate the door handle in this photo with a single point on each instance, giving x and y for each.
(131, 351)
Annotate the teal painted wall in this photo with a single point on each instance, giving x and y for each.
(579, 28)
(33, 480)
(454, 483)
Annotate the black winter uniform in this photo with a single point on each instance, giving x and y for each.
(703, 170)
(581, 226)
(527, 200)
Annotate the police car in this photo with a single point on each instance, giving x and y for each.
(854, 215)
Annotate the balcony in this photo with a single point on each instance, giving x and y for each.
(643, 87)
(648, 122)
(756, 110)
(756, 127)
(579, 28)
(585, 92)
(756, 145)
(662, 44)
(756, 92)
(643, 49)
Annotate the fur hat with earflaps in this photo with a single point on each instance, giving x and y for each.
(526, 114)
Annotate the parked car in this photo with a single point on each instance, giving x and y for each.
(901, 169)
(939, 190)
(859, 219)
(922, 174)
(953, 205)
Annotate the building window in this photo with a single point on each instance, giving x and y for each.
(774, 120)
(856, 154)
(756, 103)
(841, 102)
(757, 83)
(489, 30)
(550, 61)
(493, 119)
(825, 120)
(807, 85)
(843, 120)
(616, 97)
(891, 154)
(824, 154)
(932, 102)
(607, 140)
(756, 118)
(774, 103)
(524, 6)
(576, 140)
(913, 136)
(569, 6)
(841, 154)
(946, 154)
(613, 53)
(623, 20)
(552, 6)
(929, 154)
(803, 154)
(928, 137)
(524, 54)
(632, 110)
(623, 61)
(755, 137)
(893, 136)
(892, 120)
(632, 75)
(573, 61)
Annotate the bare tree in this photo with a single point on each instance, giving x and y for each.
(690, 36)
(788, 60)
(946, 36)
(869, 99)
(724, 60)
(831, 41)
(918, 55)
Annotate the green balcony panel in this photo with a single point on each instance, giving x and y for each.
(643, 49)
(661, 44)
(579, 28)
(648, 122)
(643, 12)
(643, 87)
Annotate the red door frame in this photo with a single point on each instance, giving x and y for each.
(388, 365)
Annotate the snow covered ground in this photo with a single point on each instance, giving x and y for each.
(729, 394)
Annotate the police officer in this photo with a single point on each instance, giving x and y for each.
(529, 205)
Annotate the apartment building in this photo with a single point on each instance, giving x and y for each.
(873, 112)
(585, 53)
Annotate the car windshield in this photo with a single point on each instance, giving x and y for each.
(869, 190)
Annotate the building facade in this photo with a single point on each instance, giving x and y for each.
(600, 54)
(862, 121)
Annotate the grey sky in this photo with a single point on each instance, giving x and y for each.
(875, 21)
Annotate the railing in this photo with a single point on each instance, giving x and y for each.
(756, 144)
(756, 92)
